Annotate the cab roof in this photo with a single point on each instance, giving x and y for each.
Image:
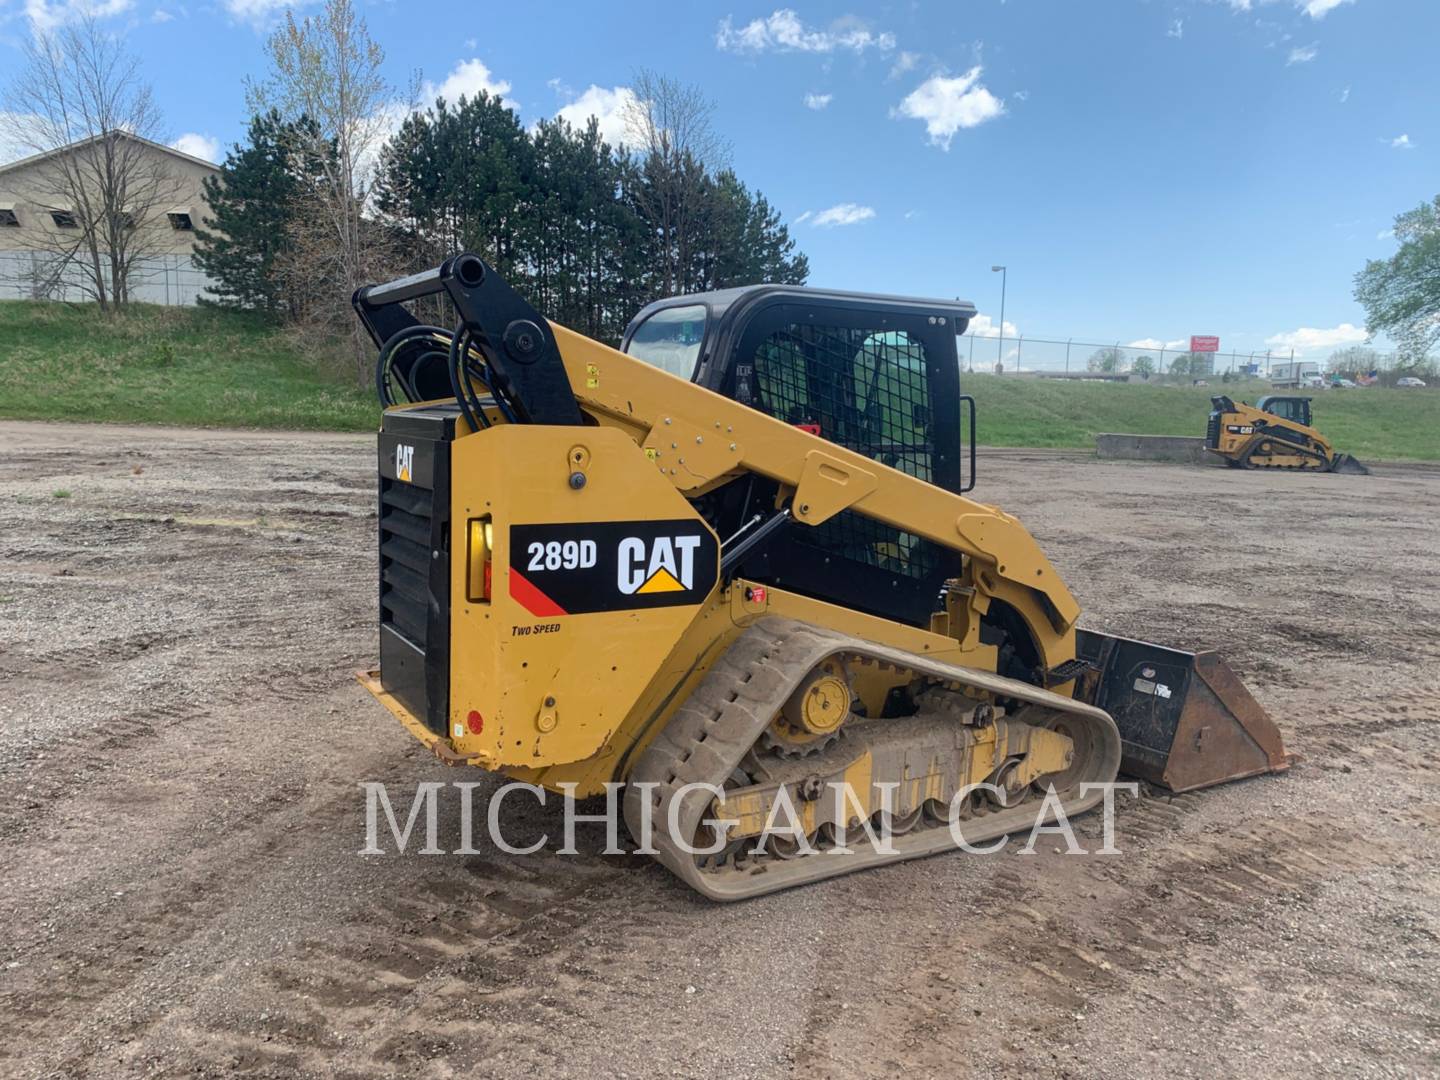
(723, 305)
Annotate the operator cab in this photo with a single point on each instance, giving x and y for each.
(1294, 409)
(879, 375)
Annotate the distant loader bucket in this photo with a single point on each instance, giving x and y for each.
(1344, 463)
(1186, 720)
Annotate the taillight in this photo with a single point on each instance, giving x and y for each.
(478, 575)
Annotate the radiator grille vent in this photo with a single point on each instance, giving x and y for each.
(1212, 430)
(405, 514)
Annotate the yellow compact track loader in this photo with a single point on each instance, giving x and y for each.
(1274, 433)
(732, 567)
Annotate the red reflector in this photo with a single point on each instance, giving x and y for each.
(489, 577)
(813, 429)
(757, 596)
(475, 722)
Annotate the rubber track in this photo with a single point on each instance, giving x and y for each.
(1248, 455)
(712, 730)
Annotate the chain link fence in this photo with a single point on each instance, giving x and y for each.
(172, 280)
(1152, 358)
(1052, 356)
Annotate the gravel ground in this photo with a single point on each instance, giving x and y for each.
(181, 747)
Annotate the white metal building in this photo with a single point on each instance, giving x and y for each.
(36, 220)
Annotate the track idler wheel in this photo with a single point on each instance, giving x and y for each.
(811, 717)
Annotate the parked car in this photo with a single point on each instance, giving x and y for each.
(1409, 382)
(1339, 383)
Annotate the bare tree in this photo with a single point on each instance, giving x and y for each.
(669, 125)
(108, 194)
(326, 69)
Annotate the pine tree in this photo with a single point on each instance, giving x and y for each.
(458, 177)
(252, 201)
(571, 221)
(744, 240)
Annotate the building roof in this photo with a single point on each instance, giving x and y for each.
(34, 158)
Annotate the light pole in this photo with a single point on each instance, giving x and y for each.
(1000, 348)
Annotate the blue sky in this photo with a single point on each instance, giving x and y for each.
(1147, 169)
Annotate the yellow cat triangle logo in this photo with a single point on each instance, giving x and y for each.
(661, 581)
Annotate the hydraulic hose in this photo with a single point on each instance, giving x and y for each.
(405, 340)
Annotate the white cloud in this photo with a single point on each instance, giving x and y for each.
(1402, 142)
(1239, 5)
(985, 326)
(947, 105)
(160, 15)
(1344, 95)
(817, 101)
(1021, 95)
(806, 216)
(1317, 9)
(906, 61)
(1303, 54)
(258, 12)
(205, 147)
(1177, 29)
(45, 15)
(468, 77)
(783, 31)
(607, 106)
(1311, 339)
(1155, 344)
(848, 213)
(1385, 234)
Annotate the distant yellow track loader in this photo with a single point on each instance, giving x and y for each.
(733, 565)
(1274, 433)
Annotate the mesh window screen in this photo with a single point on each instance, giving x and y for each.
(868, 391)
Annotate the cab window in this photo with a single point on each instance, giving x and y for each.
(1291, 409)
(864, 388)
(670, 339)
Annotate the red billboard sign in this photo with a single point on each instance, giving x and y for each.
(1204, 343)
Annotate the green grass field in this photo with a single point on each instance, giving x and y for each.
(1371, 423)
(159, 365)
(204, 367)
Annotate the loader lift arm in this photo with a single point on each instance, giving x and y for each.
(518, 344)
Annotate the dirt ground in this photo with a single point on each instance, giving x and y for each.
(181, 748)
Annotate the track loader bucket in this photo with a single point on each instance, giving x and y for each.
(1344, 463)
(1186, 720)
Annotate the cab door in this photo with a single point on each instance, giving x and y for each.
(883, 383)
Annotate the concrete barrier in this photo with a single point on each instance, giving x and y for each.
(1179, 448)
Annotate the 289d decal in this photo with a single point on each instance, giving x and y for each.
(611, 566)
(560, 555)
